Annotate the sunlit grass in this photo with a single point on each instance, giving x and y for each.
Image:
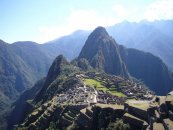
(97, 85)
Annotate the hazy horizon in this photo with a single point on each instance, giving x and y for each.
(42, 21)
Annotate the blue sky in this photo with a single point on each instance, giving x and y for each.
(44, 20)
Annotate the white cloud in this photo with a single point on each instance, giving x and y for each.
(160, 9)
(78, 19)
(51, 32)
(126, 13)
(89, 19)
(157, 10)
(120, 11)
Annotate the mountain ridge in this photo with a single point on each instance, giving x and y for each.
(19, 69)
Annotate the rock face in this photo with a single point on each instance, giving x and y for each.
(102, 52)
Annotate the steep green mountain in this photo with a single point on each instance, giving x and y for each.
(21, 65)
(149, 68)
(34, 57)
(102, 53)
(43, 90)
(13, 77)
(22, 106)
(60, 68)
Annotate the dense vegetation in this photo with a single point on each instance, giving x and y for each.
(19, 70)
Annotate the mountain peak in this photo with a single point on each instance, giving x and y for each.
(98, 32)
(61, 59)
(2, 42)
(100, 29)
(102, 52)
(55, 68)
(54, 71)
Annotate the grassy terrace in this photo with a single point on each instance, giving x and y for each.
(143, 105)
(98, 85)
(110, 106)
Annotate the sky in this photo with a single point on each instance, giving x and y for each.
(45, 20)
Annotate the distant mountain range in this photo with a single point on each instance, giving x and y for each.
(25, 62)
(154, 37)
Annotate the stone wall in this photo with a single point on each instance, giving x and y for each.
(140, 113)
